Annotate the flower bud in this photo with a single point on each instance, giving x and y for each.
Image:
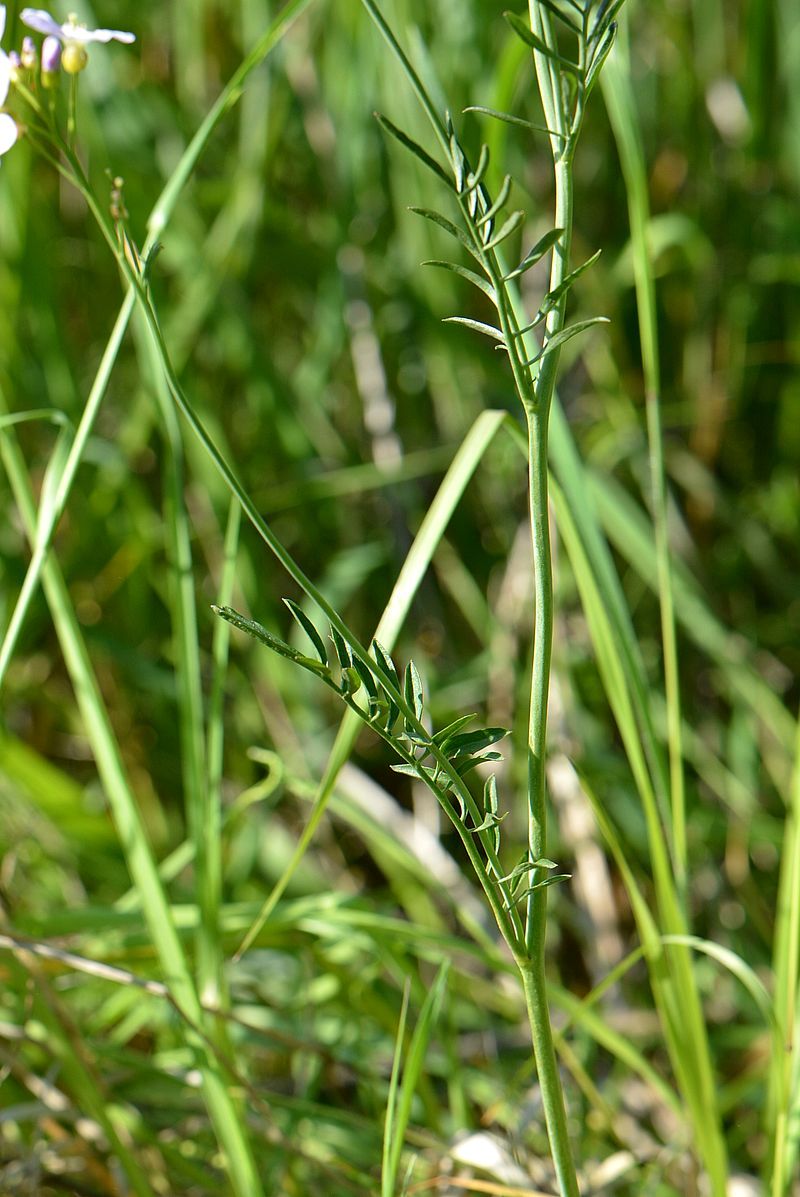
(51, 61)
(28, 56)
(74, 58)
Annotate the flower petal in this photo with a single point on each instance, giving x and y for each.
(5, 76)
(8, 132)
(77, 33)
(41, 21)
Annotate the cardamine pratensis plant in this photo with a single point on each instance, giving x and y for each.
(569, 40)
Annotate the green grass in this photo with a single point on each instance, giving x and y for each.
(239, 953)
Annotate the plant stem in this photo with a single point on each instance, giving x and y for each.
(532, 967)
(537, 413)
(535, 989)
(540, 672)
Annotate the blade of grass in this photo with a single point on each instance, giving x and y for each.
(783, 1124)
(133, 837)
(629, 532)
(398, 1112)
(622, 112)
(674, 987)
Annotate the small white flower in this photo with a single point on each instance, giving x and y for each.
(8, 126)
(70, 31)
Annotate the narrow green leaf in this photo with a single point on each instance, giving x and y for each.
(536, 254)
(477, 326)
(513, 120)
(309, 629)
(529, 37)
(343, 651)
(441, 738)
(509, 226)
(565, 335)
(386, 663)
(257, 631)
(448, 226)
(420, 772)
(604, 15)
(553, 8)
(502, 197)
(412, 689)
(465, 765)
(552, 298)
(491, 820)
(601, 54)
(476, 176)
(469, 275)
(459, 162)
(364, 672)
(523, 865)
(490, 794)
(415, 149)
(475, 741)
(543, 884)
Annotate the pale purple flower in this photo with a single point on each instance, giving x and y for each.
(8, 126)
(51, 55)
(70, 31)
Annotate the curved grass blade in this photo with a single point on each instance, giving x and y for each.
(399, 1109)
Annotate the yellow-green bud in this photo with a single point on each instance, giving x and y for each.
(74, 58)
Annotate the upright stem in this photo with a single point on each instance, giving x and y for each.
(532, 967)
(540, 673)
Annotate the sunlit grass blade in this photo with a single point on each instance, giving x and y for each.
(676, 997)
(401, 1094)
(621, 106)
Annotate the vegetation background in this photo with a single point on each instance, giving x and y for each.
(307, 335)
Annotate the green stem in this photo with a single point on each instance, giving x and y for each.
(535, 989)
(532, 968)
(537, 414)
(621, 107)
